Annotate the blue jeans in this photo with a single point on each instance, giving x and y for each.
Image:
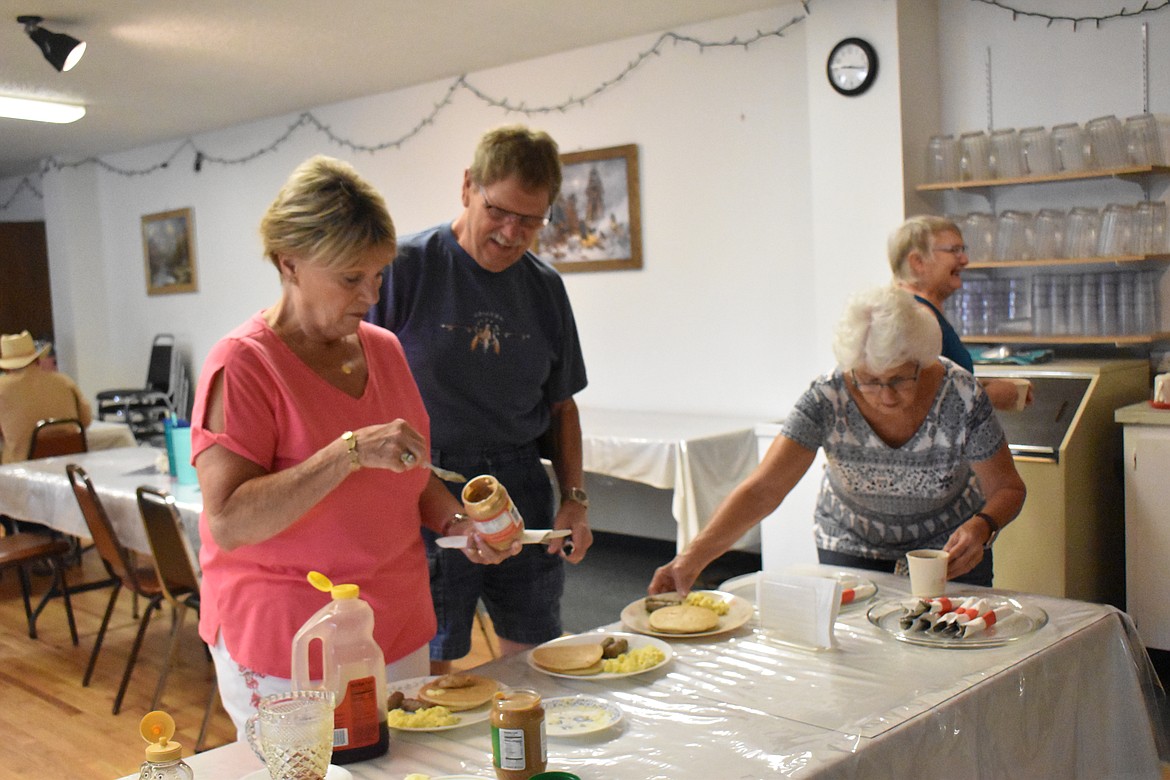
(523, 593)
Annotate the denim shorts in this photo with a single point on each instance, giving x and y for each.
(523, 593)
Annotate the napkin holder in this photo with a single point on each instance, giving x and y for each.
(1161, 398)
(798, 610)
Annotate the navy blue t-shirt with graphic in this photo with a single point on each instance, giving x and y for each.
(490, 351)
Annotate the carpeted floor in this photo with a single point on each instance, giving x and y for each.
(618, 569)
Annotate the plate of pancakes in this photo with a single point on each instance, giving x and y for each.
(667, 615)
(581, 655)
(466, 696)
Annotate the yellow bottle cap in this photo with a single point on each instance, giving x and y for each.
(323, 583)
(157, 728)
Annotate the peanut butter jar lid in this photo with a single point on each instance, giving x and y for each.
(555, 776)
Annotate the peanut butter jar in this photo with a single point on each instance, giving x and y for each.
(497, 520)
(519, 751)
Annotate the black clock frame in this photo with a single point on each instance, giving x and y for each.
(870, 52)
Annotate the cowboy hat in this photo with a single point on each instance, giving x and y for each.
(17, 350)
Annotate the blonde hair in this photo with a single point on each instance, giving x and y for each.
(515, 150)
(883, 328)
(916, 234)
(326, 213)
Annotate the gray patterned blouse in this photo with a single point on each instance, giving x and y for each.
(878, 501)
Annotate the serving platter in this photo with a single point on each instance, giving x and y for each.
(636, 642)
(411, 687)
(855, 589)
(573, 716)
(1024, 620)
(740, 611)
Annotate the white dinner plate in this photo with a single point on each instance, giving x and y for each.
(1024, 620)
(739, 611)
(863, 589)
(528, 536)
(335, 773)
(411, 687)
(636, 642)
(573, 716)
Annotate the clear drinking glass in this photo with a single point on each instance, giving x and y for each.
(1039, 151)
(1107, 142)
(1107, 303)
(1007, 156)
(1116, 236)
(1141, 138)
(1013, 236)
(1082, 227)
(1076, 319)
(1090, 304)
(1060, 288)
(1149, 228)
(974, 156)
(979, 234)
(1048, 234)
(292, 733)
(1127, 282)
(942, 159)
(1071, 147)
(1041, 305)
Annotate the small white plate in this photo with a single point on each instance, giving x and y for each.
(739, 611)
(863, 589)
(411, 687)
(636, 642)
(334, 773)
(572, 716)
(537, 536)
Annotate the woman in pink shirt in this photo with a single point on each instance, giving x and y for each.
(308, 434)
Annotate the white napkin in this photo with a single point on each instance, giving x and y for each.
(799, 610)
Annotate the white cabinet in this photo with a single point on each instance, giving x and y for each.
(1147, 520)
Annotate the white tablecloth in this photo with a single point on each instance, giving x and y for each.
(39, 491)
(700, 457)
(102, 435)
(1072, 700)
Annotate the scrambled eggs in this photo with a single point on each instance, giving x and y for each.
(716, 605)
(634, 661)
(426, 718)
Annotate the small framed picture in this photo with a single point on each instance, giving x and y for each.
(596, 222)
(168, 245)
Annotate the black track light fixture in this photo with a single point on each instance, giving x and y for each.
(61, 50)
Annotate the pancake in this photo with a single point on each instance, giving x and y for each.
(458, 699)
(683, 619)
(568, 657)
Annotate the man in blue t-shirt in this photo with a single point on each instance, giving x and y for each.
(491, 340)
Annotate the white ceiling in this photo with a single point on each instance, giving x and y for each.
(155, 71)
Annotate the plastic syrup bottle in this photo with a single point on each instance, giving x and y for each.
(353, 667)
(163, 758)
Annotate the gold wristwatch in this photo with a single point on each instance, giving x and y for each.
(575, 494)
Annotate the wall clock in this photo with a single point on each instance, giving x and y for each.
(852, 67)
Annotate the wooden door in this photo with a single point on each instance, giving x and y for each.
(26, 302)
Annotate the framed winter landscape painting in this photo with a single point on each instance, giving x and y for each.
(596, 223)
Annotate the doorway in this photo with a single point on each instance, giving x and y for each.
(26, 302)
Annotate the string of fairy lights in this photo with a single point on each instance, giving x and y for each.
(308, 120)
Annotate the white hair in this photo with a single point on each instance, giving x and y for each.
(883, 328)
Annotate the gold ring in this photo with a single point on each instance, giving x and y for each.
(408, 458)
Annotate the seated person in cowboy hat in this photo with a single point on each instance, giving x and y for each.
(29, 394)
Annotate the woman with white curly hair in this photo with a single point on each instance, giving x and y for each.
(916, 456)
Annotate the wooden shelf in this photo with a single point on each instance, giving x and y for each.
(1133, 339)
(1096, 173)
(1057, 261)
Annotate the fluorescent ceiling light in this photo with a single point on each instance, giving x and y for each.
(40, 110)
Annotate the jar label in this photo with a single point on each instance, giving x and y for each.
(508, 745)
(356, 718)
(501, 527)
